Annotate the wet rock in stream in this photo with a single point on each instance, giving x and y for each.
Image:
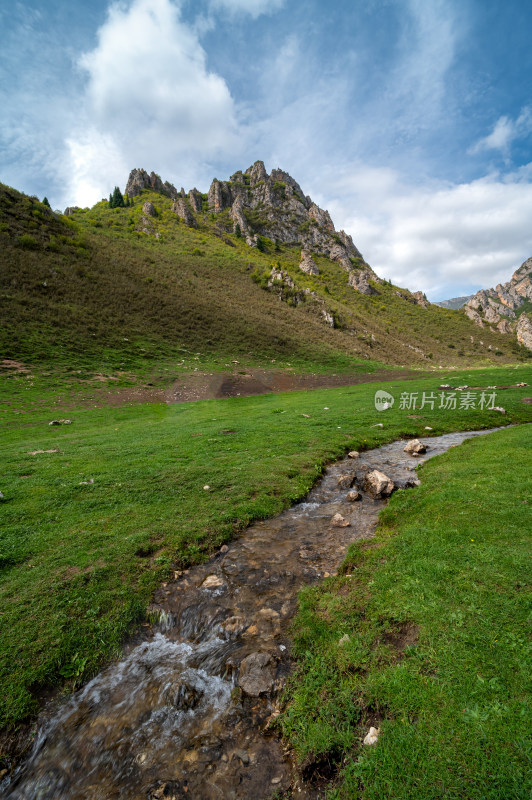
(184, 713)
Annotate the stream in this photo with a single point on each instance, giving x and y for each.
(186, 712)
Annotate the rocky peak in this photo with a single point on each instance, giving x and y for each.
(261, 204)
(139, 180)
(275, 206)
(257, 173)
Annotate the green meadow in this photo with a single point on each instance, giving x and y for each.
(92, 527)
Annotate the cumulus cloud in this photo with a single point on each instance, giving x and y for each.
(446, 240)
(253, 7)
(150, 99)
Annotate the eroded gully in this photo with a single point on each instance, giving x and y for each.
(185, 713)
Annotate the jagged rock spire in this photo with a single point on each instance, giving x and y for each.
(139, 180)
(272, 205)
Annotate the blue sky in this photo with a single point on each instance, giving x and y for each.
(410, 120)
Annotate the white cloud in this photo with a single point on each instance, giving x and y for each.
(94, 155)
(150, 100)
(253, 7)
(444, 240)
(504, 132)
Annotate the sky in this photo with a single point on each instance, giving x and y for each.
(409, 120)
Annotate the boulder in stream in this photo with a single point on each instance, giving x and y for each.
(256, 674)
(378, 484)
(415, 447)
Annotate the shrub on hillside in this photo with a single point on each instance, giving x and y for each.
(27, 242)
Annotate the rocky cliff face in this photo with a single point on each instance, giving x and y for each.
(139, 180)
(274, 206)
(501, 306)
(524, 331)
(269, 205)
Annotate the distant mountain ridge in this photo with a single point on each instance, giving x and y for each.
(454, 303)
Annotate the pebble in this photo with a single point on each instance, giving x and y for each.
(372, 737)
(340, 522)
(353, 495)
(212, 582)
(353, 454)
(345, 481)
(243, 756)
(206, 487)
(275, 781)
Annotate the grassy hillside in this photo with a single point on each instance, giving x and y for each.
(438, 658)
(94, 291)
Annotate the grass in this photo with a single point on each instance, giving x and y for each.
(93, 291)
(436, 608)
(90, 529)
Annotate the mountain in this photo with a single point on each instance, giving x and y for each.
(507, 307)
(251, 271)
(454, 303)
(257, 205)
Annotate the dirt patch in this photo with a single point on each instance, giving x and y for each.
(104, 378)
(402, 637)
(208, 386)
(527, 400)
(18, 366)
(203, 386)
(319, 771)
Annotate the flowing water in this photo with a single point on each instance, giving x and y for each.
(186, 713)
